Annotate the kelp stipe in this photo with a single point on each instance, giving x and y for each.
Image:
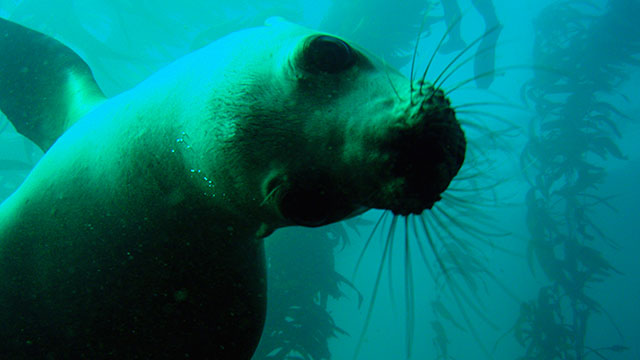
(574, 131)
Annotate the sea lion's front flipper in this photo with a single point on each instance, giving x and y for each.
(44, 86)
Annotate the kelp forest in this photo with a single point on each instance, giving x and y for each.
(568, 128)
(575, 130)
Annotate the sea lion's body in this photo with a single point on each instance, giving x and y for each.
(112, 248)
(138, 234)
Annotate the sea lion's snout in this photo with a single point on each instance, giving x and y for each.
(429, 149)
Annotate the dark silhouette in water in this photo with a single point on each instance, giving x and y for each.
(484, 61)
(381, 26)
(452, 15)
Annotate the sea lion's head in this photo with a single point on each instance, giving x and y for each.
(333, 131)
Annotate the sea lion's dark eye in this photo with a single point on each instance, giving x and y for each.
(328, 54)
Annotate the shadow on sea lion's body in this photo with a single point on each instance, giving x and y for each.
(139, 233)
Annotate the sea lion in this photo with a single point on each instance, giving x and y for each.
(138, 234)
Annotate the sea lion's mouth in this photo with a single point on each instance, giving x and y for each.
(310, 198)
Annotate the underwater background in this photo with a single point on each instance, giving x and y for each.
(534, 253)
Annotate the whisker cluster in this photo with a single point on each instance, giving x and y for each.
(450, 233)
